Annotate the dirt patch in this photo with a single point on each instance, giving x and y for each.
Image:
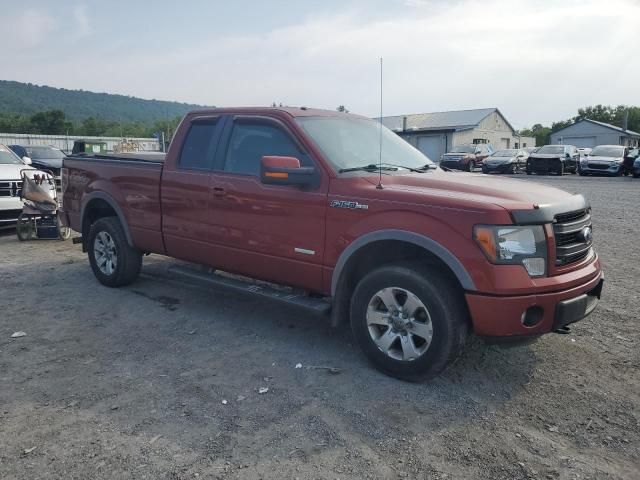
(130, 383)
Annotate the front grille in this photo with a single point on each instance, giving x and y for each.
(571, 244)
(9, 215)
(544, 163)
(597, 166)
(10, 188)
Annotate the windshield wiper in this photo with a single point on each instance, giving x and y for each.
(371, 167)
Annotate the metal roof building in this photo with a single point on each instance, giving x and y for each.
(437, 133)
(590, 133)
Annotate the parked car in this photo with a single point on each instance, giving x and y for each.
(10, 185)
(412, 256)
(505, 161)
(629, 160)
(556, 159)
(636, 168)
(604, 160)
(466, 157)
(45, 157)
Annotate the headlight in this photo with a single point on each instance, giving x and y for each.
(513, 245)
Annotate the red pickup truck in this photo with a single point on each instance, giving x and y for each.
(342, 209)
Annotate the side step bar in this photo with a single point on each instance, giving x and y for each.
(318, 305)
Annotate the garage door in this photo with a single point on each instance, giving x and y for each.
(588, 142)
(433, 146)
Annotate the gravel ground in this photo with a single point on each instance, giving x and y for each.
(161, 380)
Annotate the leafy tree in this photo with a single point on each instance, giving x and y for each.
(51, 122)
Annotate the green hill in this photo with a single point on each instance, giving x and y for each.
(27, 99)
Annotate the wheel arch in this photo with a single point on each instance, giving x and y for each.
(97, 205)
(392, 245)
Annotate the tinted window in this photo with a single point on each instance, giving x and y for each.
(199, 147)
(249, 142)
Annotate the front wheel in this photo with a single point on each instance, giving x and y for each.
(113, 261)
(560, 169)
(472, 165)
(410, 322)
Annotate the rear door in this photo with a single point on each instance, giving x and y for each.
(185, 192)
(271, 232)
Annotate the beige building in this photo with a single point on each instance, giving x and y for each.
(437, 133)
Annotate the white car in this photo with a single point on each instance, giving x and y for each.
(10, 184)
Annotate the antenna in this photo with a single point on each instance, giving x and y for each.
(379, 186)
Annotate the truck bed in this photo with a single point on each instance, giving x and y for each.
(130, 181)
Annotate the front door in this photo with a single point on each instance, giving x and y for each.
(271, 232)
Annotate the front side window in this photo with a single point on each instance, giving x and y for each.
(252, 140)
(199, 147)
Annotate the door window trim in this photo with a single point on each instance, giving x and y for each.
(220, 121)
(225, 139)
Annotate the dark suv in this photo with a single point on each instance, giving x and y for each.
(42, 156)
(556, 159)
(466, 157)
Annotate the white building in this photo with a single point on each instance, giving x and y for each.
(436, 133)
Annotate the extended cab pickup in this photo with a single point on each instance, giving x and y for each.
(413, 257)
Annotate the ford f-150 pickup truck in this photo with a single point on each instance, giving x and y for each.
(337, 206)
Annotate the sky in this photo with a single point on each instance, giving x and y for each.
(538, 61)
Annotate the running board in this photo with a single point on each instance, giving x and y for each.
(318, 305)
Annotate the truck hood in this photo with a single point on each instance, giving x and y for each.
(546, 155)
(481, 189)
(604, 159)
(10, 171)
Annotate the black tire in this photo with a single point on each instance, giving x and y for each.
(485, 170)
(560, 169)
(528, 169)
(636, 175)
(442, 299)
(472, 166)
(24, 228)
(512, 169)
(128, 259)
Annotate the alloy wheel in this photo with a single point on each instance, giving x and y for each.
(399, 324)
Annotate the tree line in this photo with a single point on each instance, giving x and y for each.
(55, 122)
(619, 116)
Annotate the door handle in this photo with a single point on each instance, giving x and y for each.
(219, 191)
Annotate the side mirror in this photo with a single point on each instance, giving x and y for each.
(287, 171)
(26, 160)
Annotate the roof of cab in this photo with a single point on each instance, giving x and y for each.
(292, 111)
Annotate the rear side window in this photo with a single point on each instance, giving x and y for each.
(250, 141)
(199, 148)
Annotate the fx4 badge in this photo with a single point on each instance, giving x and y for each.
(348, 204)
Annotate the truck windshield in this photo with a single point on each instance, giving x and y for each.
(353, 142)
(615, 152)
(463, 149)
(37, 153)
(551, 149)
(8, 158)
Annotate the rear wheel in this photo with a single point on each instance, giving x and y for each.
(410, 322)
(472, 165)
(113, 261)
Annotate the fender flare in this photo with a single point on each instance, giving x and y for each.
(86, 200)
(409, 237)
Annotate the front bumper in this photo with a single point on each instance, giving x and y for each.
(611, 170)
(499, 168)
(455, 164)
(506, 316)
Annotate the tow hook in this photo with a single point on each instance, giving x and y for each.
(563, 330)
